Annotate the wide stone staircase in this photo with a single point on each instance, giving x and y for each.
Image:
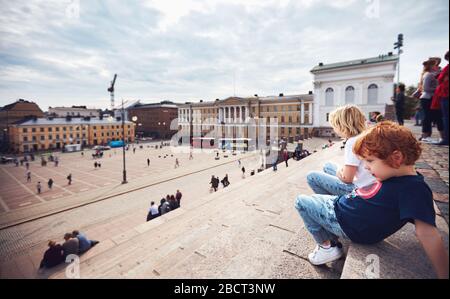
(248, 230)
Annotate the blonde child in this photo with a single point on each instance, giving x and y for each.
(371, 214)
(348, 122)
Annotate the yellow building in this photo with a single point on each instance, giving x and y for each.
(288, 118)
(54, 133)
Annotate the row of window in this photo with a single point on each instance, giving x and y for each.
(50, 137)
(112, 134)
(57, 129)
(64, 136)
(50, 129)
(263, 109)
(372, 95)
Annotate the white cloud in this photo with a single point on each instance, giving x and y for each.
(191, 49)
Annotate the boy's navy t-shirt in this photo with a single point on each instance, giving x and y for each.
(371, 214)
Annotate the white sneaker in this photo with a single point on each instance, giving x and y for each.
(322, 255)
(428, 140)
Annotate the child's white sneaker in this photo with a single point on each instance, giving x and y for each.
(322, 255)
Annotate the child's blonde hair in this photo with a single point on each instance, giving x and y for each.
(349, 120)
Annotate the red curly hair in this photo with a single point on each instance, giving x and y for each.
(384, 139)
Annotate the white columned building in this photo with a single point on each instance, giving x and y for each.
(367, 83)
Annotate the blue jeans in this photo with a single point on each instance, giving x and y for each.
(327, 182)
(444, 109)
(319, 217)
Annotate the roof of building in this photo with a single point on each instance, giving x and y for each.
(287, 98)
(72, 121)
(358, 62)
(154, 105)
(74, 108)
(12, 105)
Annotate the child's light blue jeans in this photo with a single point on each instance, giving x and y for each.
(327, 182)
(319, 217)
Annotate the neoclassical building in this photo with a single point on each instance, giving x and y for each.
(368, 83)
(229, 122)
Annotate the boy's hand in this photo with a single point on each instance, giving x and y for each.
(431, 241)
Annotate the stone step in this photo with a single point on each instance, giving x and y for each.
(143, 252)
(400, 256)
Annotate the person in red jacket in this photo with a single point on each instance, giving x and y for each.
(440, 100)
(436, 111)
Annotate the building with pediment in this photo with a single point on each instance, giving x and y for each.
(367, 83)
(236, 122)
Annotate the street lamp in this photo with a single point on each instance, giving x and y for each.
(124, 181)
(398, 46)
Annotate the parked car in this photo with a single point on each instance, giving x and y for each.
(101, 148)
(6, 160)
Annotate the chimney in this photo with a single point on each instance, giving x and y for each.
(310, 92)
(281, 95)
(201, 101)
(390, 54)
(320, 63)
(256, 95)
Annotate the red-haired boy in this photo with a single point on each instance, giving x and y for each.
(371, 214)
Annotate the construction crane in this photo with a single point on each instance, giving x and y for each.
(111, 91)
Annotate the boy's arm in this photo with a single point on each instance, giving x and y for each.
(347, 173)
(433, 245)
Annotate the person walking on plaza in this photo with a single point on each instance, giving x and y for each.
(400, 103)
(214, 183)
(177, 163)
(69, 178)
(56, 162)
(191, 156)
(95, 165)
(178, 197)
(99, 165)
(27, 165)
(50, 183)
(28, 176)
(286, 157)
(243, 172)
(39, 187)
(148, 162)
(225, 181)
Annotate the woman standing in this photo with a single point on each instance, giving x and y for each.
(427, 87)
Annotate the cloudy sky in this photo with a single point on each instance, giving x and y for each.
(65, 52)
